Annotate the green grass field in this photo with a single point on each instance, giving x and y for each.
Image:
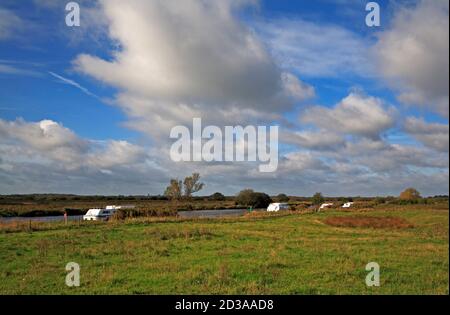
(269, 254)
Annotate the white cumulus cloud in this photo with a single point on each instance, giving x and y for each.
(413, 54)
(356, 114)
(188, 57)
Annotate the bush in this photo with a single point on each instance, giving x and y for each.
(244, 197)
(253, 199)
(410, 194)
(40, 213)
(379, 201)
(317, 199)
(71, 211)
(122, 214)
(187, 207)
(282, 198)
(217, 197)
(8, 213)
(404, 202)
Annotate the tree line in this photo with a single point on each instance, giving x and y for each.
(184, 189)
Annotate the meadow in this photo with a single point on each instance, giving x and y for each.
(294, 252)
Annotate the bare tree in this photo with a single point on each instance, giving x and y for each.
(192, 185)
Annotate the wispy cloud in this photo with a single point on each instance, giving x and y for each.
(73, 83)
(10, 23)
(315, 49)
(13, 70)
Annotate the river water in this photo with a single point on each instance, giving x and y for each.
(56, 218)
(183, 214)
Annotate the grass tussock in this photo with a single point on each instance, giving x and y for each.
(188, 234)
(266, 214)
(369, 222)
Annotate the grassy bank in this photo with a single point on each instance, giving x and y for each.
(276, 254)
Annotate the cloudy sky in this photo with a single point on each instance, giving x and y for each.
(89, 109)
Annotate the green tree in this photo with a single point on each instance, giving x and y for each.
(217, 197)
(282, 198)
(244, 197)
(410, 194)
(250, 198)
(174, 190)
(317, 199)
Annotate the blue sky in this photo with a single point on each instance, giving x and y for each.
(41, 96)
(325, 45)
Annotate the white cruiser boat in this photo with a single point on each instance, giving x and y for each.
(97, 214)
(277, 206)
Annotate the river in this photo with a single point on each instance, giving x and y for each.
(55, 218)
(183, 214)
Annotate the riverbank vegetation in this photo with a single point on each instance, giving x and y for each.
(53, 205)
